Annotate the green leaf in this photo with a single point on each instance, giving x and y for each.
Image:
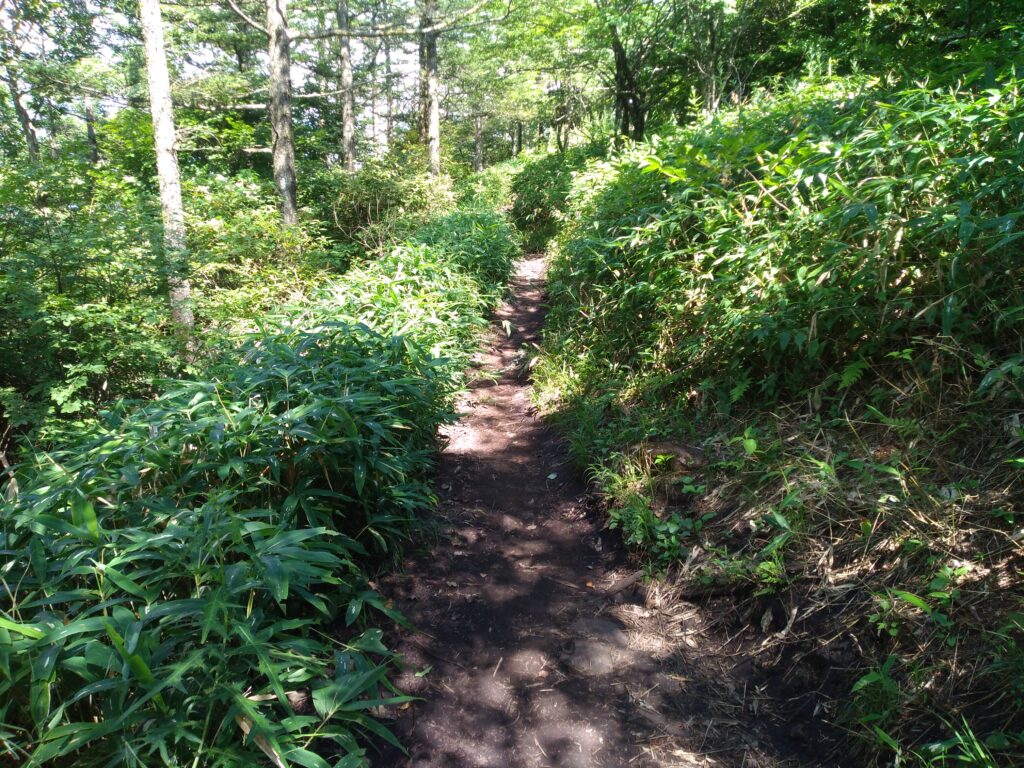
(83, 515)
(22, 629)
(277, 577)
(359, 476)
(124, 582)
(305, 758)
(40, 701)
(886, 739)
(852, 373)
(914, 600)
(355, 607)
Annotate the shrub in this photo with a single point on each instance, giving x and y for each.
(800, 243)
(170, 568)
(183, 572)
(824, 288)
(480, 242)
(541, 189)
(83, 315)
(379, 205)
(80, 292)
(244, 262)
(491, 188)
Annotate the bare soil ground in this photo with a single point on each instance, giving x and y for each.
(528, 651)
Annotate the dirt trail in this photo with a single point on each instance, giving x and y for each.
(520, 658)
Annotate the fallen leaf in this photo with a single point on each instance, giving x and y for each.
(246, 725)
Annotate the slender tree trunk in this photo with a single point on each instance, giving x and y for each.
(52, 129)
(389, 124)
(240, 58)
(283, 148)
(519, 137)
(478, 143)
(424, 99)
(324, 50)
(348, 97)
(629, 106)
(167, 165)
(90, 132)
(639, 118)
(27, 128)
(429, 79)
(375, 97)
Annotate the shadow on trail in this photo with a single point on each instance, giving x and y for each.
(517, 654)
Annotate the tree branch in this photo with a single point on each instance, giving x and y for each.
(404, 31)
(201, 107)
(247, 19)
(250, 106)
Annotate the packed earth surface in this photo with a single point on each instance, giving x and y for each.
(534, 642)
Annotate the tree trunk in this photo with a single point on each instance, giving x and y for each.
(374, 96)
(519, 137)
(639, 118)
(348, 97)
(424, 107)
(629, 106)
(167, 165)
(27, 128)
(429, 79)
(478, 142)
(240, 58)
(389, 124)
(52, 128)
(283, 148)
(90, 132)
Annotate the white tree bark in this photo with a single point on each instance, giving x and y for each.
(389, 124)
(348, 98)
(431, 86)
(175, 254)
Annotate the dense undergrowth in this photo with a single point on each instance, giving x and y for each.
(185, 577)
(540, 194)
(787, 342)
(83, 317)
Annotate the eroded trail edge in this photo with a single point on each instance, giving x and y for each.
(519, 655)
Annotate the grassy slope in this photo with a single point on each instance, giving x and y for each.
(821, 294)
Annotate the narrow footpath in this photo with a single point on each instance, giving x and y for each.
(522, 655)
